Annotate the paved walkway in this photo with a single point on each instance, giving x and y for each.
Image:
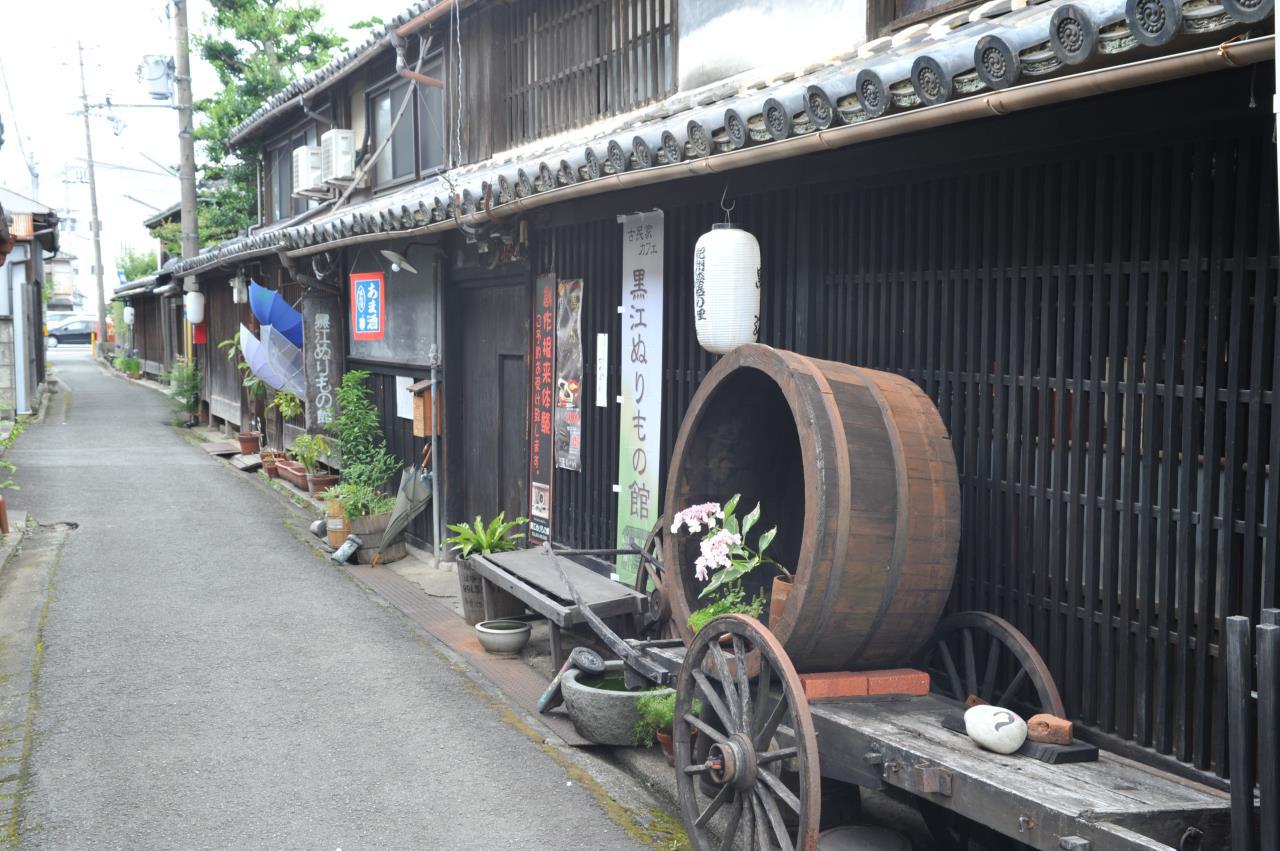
(209, 681)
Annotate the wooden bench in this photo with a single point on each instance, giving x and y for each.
(531, 578)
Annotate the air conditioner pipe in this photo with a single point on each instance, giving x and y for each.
(431, 15)
(1231, 54)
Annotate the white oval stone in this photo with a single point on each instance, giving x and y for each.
(995, 729)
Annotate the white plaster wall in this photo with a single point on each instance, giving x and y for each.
(720, 38)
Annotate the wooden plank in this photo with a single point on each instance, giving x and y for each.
(534, 569)
(1239, 685)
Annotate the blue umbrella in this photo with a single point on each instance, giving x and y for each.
(271, 309)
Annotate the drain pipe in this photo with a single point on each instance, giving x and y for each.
(1231, 54)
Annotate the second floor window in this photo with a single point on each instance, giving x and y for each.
(280, 164)
(416, 145)
(397, 160)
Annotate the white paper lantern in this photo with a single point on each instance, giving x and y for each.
(128, 314)
(194, 304)
(726, 288)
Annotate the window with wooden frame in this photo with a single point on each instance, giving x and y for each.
(280, 173)
(416, 145)
(570, 62)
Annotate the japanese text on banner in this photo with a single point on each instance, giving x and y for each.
(640, 438)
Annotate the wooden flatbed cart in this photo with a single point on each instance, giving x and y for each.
(856, 469)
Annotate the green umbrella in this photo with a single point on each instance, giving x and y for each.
(411, 499)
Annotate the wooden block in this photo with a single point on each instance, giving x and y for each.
(906, 681)
(973, 700)
(831, 685)
(1049, 729)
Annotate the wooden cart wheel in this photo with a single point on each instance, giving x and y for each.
(649, 581)
(758, 732)
(981, 654)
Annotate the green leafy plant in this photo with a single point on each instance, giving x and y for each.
(657, 710)
(185, 386)
(230, 346)
(358, 428)
(479, 538)
(733, 600)
(7, 483)
(359, 500)
(310, 448)
(288, 404)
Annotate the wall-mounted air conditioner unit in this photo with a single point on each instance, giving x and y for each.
(338, 155)
(306, 169)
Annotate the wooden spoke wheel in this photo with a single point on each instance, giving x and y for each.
(983, 655)
(977, 654)
(650, 576)
(756, 763)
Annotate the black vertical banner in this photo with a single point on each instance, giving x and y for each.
(542, 408)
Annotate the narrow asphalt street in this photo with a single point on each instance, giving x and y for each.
(208, 680)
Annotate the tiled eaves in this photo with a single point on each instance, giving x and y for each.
(349, 61)
(1000, 44)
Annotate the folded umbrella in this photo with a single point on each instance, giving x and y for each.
(255, 355)
(411, 499)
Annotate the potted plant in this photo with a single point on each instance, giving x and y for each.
(126, 362)
(480, 538)
(184, 390)
(367, 465)
(309, 449)
(366, 510)
(657, 713)
(725, 551)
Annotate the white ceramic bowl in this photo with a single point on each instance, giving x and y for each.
(504, 637)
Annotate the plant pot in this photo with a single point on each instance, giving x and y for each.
(335, 523)
(269, 463)
(471, 590)
(606, 716)
(782, 587)
(135, 376)
(292, 472)
(318, 483)
(369, 529)
(250, 442)
(668, 745)
(667, 742)
(503, 638)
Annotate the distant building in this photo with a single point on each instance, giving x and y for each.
(64, 295)
(33, 230)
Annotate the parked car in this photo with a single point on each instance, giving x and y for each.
(70, 332)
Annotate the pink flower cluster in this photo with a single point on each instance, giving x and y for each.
(696, 517)
(715, 553)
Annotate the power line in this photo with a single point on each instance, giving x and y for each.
(35, 177)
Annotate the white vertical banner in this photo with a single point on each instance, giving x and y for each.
(640, 418)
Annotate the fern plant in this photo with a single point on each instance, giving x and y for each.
(479, 538)
(184, 387)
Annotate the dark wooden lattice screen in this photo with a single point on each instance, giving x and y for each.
(570, 62)
(1097, 324)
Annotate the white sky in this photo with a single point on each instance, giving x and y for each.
(39, 60)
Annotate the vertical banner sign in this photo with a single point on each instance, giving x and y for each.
(368, 307)
(569, 375)
(639, 439)
(542, 408)
(321, 363)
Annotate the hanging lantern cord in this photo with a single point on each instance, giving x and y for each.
(728, 208)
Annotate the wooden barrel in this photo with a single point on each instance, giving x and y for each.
(856, 470)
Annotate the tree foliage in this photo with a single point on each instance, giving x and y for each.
(136, 264)
(257, 47)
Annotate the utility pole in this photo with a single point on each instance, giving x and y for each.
(94, 225)
(186, 139)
